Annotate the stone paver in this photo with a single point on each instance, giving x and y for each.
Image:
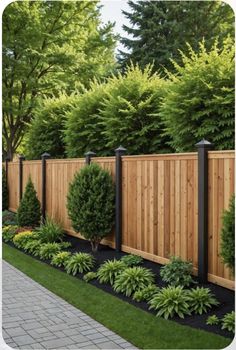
(35, 318)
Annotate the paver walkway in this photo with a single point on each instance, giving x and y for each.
(35, 318)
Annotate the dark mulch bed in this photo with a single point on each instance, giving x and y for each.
(223, 295)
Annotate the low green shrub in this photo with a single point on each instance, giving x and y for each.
(65, 245)
(90, 276)
(79, 262)
(213, 320)
(171, 301)
(33, 247)
(60, 259)
(50, 231)
(177, 272)
(108, 271)
(228, 322)
(146, 294)
(9, 232)
(132, 260)
(132, 279)
(8, 218)
(22, 238)
(200, 300)
(48, 250)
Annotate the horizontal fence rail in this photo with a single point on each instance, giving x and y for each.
(160, 215)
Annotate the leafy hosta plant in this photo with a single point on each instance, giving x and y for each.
(108, 271)
(60, 259)
(146, 293)
(33, 247)
(90, 276)
(22, 238)
(132, 260)
(200, 300)
(9, 232)
(228, 322)
(177, 272)
(212, 320)
(50, 231)
(79, 262)
(171, 301)
(132, 279)
(48, 250)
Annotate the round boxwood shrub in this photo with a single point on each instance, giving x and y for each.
(90, 203)
(28, 213)
(228, 236)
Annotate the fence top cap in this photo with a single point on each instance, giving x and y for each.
(120, 149)
(21, 156)
(45, 155)
(90, 153)
(204, 143)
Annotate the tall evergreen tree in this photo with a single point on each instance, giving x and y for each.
(160, 28)
(48, 47)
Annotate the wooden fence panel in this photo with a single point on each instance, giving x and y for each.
(13, 185)
(33, 169)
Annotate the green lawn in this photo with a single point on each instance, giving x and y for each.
(137, 326)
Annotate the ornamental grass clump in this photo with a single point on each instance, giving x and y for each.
(48, 250)
(29, 213)
(60, 259)
(79, 263)
(201, 299)
(9, 232)
(90, 203)
(146, 294)
(131, 260)
(228, 322)
(171, 301)
(132, 279)
(108, 271)
(50, 231)
(177, 272)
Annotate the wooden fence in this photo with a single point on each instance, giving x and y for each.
(159, 202)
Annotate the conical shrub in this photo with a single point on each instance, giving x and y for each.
(29, 212)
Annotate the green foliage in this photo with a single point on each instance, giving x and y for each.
(200, 300)
(60, 259)
(199, 100)
(171, 301)
(146, 294)
(51, 47)
(79, 263)
(33, 247)
(177, 272)
(50, 231)
(212, 320)
(108, 271)
(65, 245)
(129, 113)
(90, 203)
(132, 260)
(46, 128)
(28, 212)
(83, 131)
(48, 250)
(90, 276)
(4, 190)
(228, 322)
(132, 279)
(158, 29)
(9, 232)
(228, 235)
(20, 239)
(8, 218)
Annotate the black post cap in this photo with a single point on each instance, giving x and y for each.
(120, 149)
(90, 154)
(7, 159)
(46, 155)
(21, 156)
(204, 144)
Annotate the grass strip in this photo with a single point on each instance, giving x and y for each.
(142, 329)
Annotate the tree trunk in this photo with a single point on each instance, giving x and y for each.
(95, 243)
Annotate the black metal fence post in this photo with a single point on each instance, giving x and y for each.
(203, 148)
(44, 157)
(88, 156)
(118, 208)
(21, 159)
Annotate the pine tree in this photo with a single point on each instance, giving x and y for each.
(4, 190)
(160, 28)
(228, 236)
(28, 213)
